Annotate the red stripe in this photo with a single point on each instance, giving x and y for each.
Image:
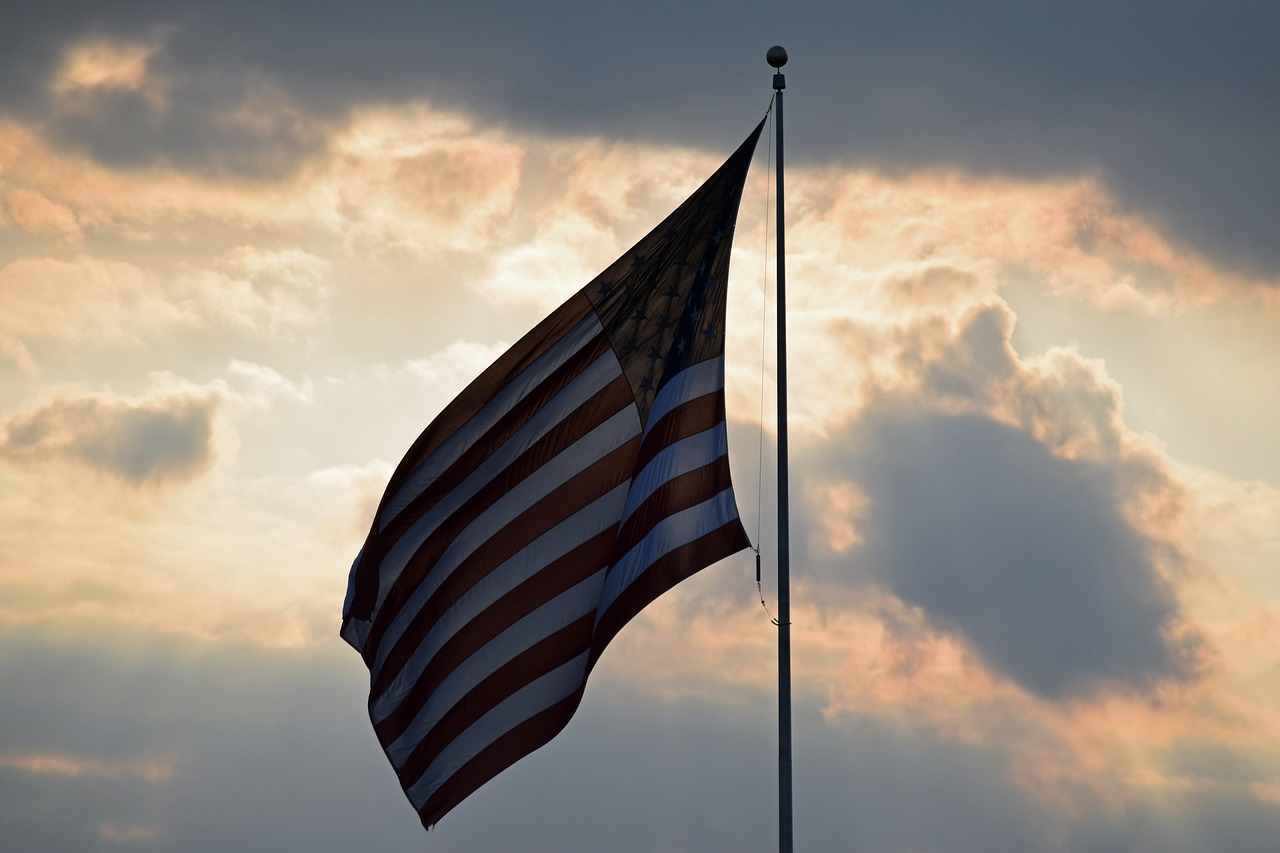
(678, 493)
(533, 402)
(498, 375)
(689, 418)
(589, 558)
(497, 435)
(664, 573)
(571, 496)
(533, 663)
(610, 400)
(501, 754)
(463, 407)
(576, 565)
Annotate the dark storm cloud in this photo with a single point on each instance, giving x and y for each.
(1175, 104)
(140, 442)
(1025, 554)
(198, 131)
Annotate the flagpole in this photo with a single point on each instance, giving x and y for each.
(777, 57)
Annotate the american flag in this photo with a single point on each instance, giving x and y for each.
(579, 477)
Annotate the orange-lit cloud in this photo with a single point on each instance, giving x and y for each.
(281, 419)
(37, 214)
(100, 63)
(128, 833)
(155, 771)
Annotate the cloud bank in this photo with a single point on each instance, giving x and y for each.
(155, 440)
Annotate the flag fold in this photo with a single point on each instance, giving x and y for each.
(582, 475)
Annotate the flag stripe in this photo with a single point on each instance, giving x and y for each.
(492, 569)
(675, 530)
(536, 696)
(450, 547)
(546, 438)
(579, 493)
(542, 622)
(574, 567)
(537, 660)
(578, 382)
(545, 381)
(674, 495)
(689, 418)
(478, 408)
(562, 331)
(696, 380)
(564, 537)
(499, 755)
(682, 457)
(664, 573)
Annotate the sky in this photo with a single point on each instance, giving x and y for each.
(247, 251)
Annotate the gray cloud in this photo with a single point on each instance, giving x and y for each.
(1025, 554)
(273, 751)
(269, 751)
(147, 441)
(1175, 105)
(1220, 820)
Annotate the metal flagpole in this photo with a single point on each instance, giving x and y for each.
(777, 57)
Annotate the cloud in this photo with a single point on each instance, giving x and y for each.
(888, 268)
(37, 214)
(442, 376)
(1006, 499)
(84, 299)
(175, 512)
(583, 202)
(1025, 554)
(63, 765)
(115, 256)
(270, 293)
(275, 737)
(133, 104)
(128, 833)
(273, 292)
(103, 64)
(419, 180)
(370, 224)
(412, 176)
(260, 386)
(158, 731)
(1175, 117)
(158, 439)
(234, 718)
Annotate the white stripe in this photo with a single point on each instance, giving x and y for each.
(696, 380)
(584, 386)
(685, 455)
(489, 414)
(565, 609)
(524, 703)
(673, 531)
(555, 543)
(611, 434)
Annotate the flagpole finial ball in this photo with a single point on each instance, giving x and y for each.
(777, 56)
